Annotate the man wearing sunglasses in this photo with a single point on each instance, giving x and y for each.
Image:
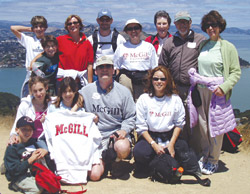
(179, 54)
(104, 40)
(114, 106)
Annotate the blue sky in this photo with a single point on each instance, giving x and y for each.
(236, 12)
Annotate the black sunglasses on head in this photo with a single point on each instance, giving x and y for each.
(213, 25)
(70, 23)
(133, 28)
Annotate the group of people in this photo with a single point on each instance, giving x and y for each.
(140, 85)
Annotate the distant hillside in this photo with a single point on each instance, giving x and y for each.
(8, 103)
(147, 27)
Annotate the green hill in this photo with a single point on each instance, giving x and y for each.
(8, 103)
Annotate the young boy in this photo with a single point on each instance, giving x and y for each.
(19, 158)
(32, 44)
(48, 61)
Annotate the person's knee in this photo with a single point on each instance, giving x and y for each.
(122, 148)
(141, 152)
(96, 172)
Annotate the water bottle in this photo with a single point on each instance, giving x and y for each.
(179, 172)
(177, 175)
(36, 70)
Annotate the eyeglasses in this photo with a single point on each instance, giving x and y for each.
(70, 23)
(133, 28)
(108, 66)
(213, 25)
(105, 19)
(161, 79)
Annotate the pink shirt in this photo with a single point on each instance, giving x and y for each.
(38, 125)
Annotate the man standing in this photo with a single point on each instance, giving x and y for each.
(114, 106)
(105, 40)
(179, 54)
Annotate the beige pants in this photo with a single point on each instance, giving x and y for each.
(211, 147)
(135, 89)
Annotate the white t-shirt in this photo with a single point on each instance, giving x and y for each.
(73, 140)
(161, 43)
(140, 57)
(159, 114)
(33, 47)
(106, 49)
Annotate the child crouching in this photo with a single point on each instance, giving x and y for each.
(19, 158)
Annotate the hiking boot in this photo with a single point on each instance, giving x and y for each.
(209, 168)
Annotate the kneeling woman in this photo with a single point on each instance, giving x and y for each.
(160, 117)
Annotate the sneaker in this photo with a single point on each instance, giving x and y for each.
(209, 168)
(201, 163)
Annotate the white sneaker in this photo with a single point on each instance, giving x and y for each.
(201, 163)
(209, 168)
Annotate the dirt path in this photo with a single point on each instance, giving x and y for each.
(233, 177)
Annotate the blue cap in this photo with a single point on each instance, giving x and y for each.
(104, 12)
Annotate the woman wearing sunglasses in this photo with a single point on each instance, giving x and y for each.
(134, 58)
(160, 117)
(218, 59)
(76, 52)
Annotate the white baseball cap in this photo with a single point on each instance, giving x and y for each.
(131, 21)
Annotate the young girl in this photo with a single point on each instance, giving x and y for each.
(68, 97)
(34, 106)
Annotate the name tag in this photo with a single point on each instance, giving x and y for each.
(191, 44)
(203, 53)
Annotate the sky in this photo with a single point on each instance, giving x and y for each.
(236, 12)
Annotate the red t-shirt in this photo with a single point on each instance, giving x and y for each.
(74, 55)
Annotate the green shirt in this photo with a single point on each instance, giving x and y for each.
(210, 60)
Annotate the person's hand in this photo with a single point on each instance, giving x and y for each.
(170, 148)
(34, 156)
(96, 119)
(158, 149)
(121, 134)
(218, 92)
(41, 152)
(43, 118)
(13, 139)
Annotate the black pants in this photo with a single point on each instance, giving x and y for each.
(144, 153)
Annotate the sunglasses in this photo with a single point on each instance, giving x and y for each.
(70, 23)
(213, 25)
(133, 28)
(161, 79)
(105, 19)
(108, 66)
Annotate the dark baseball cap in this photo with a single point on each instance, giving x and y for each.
(23, 121)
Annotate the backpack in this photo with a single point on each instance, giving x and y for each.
(231, 140)
(113, 41)
(152, 39)
(46, 179)
(165, 169)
